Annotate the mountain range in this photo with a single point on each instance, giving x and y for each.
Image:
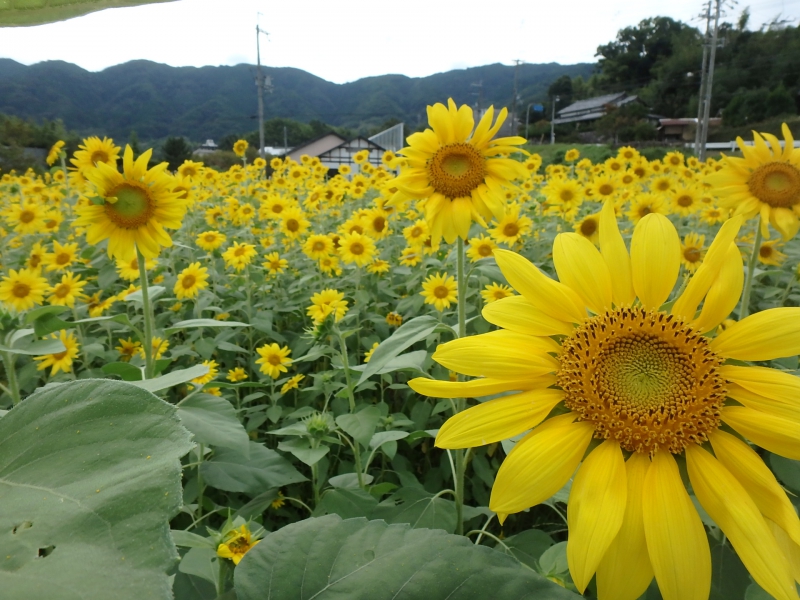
(158, 100)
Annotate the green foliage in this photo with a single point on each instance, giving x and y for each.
(358, 559)
(758, 105)
(37, 12)
(175, 151)
(89, 478)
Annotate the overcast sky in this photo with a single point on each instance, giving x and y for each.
(347, 40)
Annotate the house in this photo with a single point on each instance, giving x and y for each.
(683, 128)
(343, 153)
(317, 146)
(206, 147)
(592, 109)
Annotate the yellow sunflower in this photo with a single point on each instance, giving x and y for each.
(136, 207)
(496, 291)
(589, 227)
(693, 251)
(458, 169)
(127, 349)
(23, 289)
(55, 152)
(60, 361)
(511, 227)
(318, 246)
(240, 147)
(62, 257)
(237, 374)
(273, 359)
(94, 151)
(765, 181)
(210, 240)
(649, 384)
(440, 290)
(416, 233)
(274, 263)
(129, 269)
(293, 223)
(190, 281)
(356, 248)
(292, 384)
(213, 371)
(326, 302)
(768, 254)
(237, 543)
(645, 204)
(26, 218)
(480, 247)
(66, 292)
(239, 255)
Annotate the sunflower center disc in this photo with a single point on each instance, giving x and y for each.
(776, 184)
(643, 378)
(188, 281)
(357, 249)
(21, 290)
(456, 170)
(61, 290)
(26, 216)
(441, 291)
(588, 227)
(133, 207)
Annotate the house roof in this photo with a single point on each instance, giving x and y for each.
(592, 104)
(316, 139)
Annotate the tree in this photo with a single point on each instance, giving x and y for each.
(561, 87)
(175, 151)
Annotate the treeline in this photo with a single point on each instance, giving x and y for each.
(757, 73)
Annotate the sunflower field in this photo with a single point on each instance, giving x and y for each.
(450, 372)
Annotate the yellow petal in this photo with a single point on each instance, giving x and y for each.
(769, 334)
(776, 434)
(625, 571)
(729, 504)
(686, 304)
(477, 387)
(518, 314)
(724, 294)
(550, 297)
(773, 390)
(676, 539)
(595, 510)
(540, 464)
(786, 407)
(614, 252)
(497, 419)
(499, 354)
(789, 548)
(748, 468)
(580, 265)
(655, 259)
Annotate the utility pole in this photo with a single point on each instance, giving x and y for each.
(260, 86)
(553, 121)
(703, 76)
(514, 99)
(479, 94)
(527, 119)
(710, 81)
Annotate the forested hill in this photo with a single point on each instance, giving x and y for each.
(157, 100)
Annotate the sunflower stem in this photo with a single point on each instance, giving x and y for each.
(147, 309)
(11, 375)
(744, 309)
(461, 403)
(352, 400)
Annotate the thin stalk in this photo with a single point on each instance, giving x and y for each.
(460, 403)
(200, 484)
(222, 575)
(147, 309)
(11, 375)
(744, 309)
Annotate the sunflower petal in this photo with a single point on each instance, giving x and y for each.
(776, 434)
(676, 540)
(595, 510)
(789, 548)
(477, 387)
(497, 419)
(724, 294)
(580, 265)
(516, 313)
(729, 504)
(769, 334)
(625, 571)
(614, 252)
(655, 259)
(748, 468)
(540, 464)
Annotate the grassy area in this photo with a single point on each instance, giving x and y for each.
(554, 153)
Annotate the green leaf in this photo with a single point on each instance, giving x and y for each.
(37, 12)
(386, 436)
(406, 335)
(36, 348)
(348, 503)
(257, 505)
(89, 478)
(213, 421)
(787, 470)
(418, 508)
(155, 292)
(232, 471)
(361, 425)
(729, 577)
(554, 560)
(203, 323)
(127, 371)
(187, 539)
(172, 379)
(43, 311)
(328, 558)
(411, 361)
(527, 546)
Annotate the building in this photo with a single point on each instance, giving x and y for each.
(592, 109)
(206, 147)
(682, 129)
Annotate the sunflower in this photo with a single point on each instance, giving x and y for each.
(439, 290)
(238, 541)
(210, 240)
(572, 155)
(129, 269)
(274, 263)
(410, 257)
(159, 346)
(673, 160)
(62, 257)
(645, 204)
(318, 246)
(55, 152)
(566, 194)
(416, 233)
(378, 267)
(127, 349)
(292, 384)
(768, 254)
(240, 147)
(376, 223)
(60, 361)
(480, 247)
(190, 169)
(663, 184)
(273, 359)
(236, 374)
(685, 200)
(693, 251)
(458, 172)
(650, 385)
(136, 206)
(711, 215)
(326, 302)
(604, 187)
(765, 181)
(239, 255)
(293, 223)
(65, 293)
(496, 291)
(589, 227)
(213, 371)
(36, 256)
(511, 227)
(356, 248)
(394, 319)
(26, 218)
(330, 265)
(94, 151)
(23, 289)
(190, 281)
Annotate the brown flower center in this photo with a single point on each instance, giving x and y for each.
(26, 216)
(588, 227)
(62, 290)
(511, 230)
(21, 290)
(188, 281)
(133, 208)
(441, 291)
(456, 170)
(685, 201)
(776, 184)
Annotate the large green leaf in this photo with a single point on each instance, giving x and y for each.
(89, 478)
(327, 558)
(213, 421)
(37, 12)
(263, 469)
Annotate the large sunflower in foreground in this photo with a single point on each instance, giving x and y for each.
(459, 173)
(765, 181)
(591, 361)
(136, 207)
